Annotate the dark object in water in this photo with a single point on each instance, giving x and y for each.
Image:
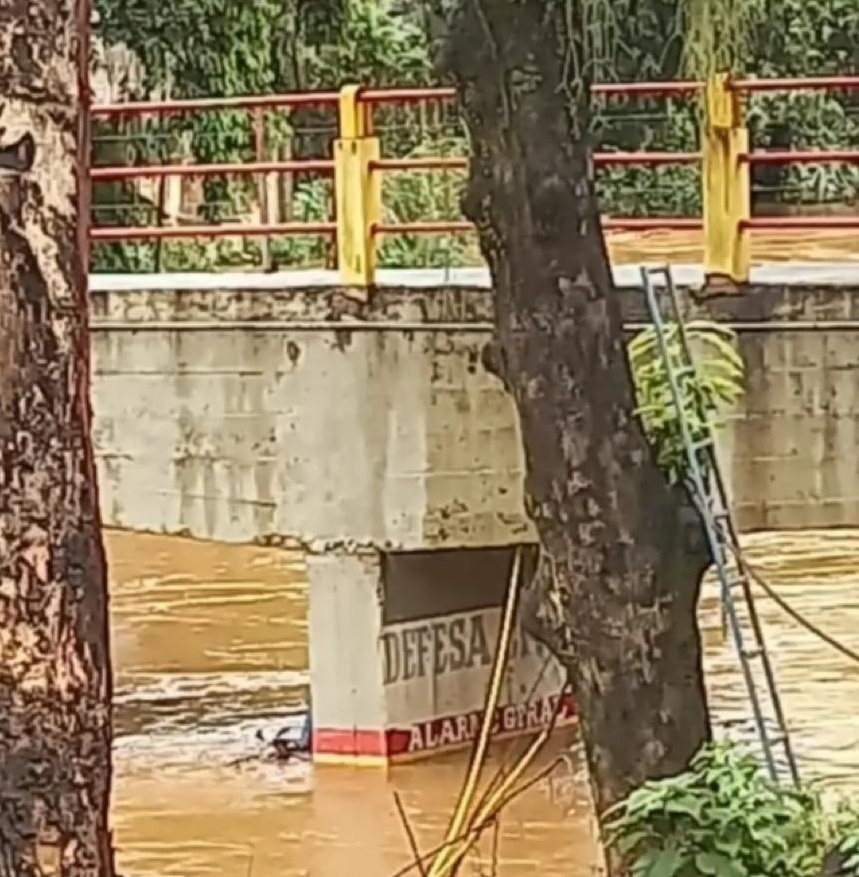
(294, 738)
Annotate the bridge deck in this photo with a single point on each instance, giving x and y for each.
(809, 273)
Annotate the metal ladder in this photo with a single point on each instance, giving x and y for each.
(707, 490)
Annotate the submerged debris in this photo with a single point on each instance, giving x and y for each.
(291, 742)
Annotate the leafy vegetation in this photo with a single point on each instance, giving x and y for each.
(717, 383)
(724, 818)
(231, 47)
(664, 39)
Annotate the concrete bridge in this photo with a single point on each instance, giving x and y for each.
(276, 409)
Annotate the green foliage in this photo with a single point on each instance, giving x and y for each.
(724, 818)
(646, 40)
(667, 190)
(420, 196)
(375, 44)
(848, 846)
(812, 37)
(194, 48)
(310, 202)
(772, 38)
(718, 35)
(666, 39)
(717, 382)
(199, 48)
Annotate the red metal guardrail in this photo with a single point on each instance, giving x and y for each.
(355, 226)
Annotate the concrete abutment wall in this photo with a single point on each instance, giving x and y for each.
(401, 651)
(245, 416)
(372, 435)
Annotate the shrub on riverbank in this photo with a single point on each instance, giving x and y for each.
(723, 817)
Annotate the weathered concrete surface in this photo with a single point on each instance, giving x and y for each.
(245, 415)
(346, 673)
(790, 452)
(808, 274)
(238, 416)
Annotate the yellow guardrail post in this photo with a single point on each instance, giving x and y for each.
(726, 187)
(357, 191)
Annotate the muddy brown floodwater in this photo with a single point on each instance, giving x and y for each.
(687, 247)
(211, 644)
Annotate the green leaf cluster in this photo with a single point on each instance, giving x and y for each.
(416, 197)
(724, 818)
(848, 845)
(717, 383)
(231, 47)
(666, 39)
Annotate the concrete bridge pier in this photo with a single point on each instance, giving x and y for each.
(347, 686)
(401, 645)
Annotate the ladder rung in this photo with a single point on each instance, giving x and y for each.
(723, 540)
(684, 371)
(662, 271)
(777, 739)
(751, 654)
(703, 443)
(736, 583)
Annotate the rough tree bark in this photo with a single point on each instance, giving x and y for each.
(622, 554)
(54, 658)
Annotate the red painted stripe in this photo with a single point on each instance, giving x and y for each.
(394, 742)
(353, 741)
(447, 732)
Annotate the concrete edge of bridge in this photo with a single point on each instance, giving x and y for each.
(816, 273)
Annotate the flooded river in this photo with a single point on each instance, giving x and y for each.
(687, 247)
(211, 644)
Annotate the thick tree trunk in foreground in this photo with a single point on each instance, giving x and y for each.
(54, 660)
(622, 553)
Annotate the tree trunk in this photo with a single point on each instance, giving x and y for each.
(622, 553)
(54, 661)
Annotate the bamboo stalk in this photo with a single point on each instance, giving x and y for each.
(478, 757)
